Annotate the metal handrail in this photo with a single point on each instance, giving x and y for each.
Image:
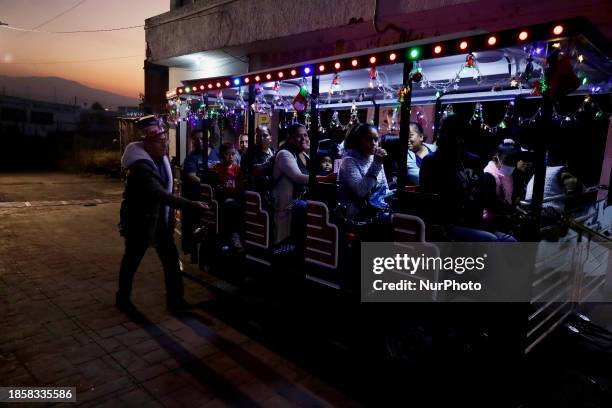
(565, 195)
(581, 228)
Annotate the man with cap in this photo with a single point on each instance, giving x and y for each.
(146, 218)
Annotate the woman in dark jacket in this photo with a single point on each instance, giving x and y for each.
(456, 176)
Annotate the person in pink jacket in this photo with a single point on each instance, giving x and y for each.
(498, 186)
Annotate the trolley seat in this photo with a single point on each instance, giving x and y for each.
(321, 246)
(256, 229)
(408, 230)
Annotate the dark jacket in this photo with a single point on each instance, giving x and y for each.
(458, 184)
(146, 198)
(254, 156)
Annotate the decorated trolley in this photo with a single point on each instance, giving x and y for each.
(534, 83)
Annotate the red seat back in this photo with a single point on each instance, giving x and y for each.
(407, 228)
(257, 221)
(321, 244)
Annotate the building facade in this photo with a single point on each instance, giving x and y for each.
(200, 39)
(36, 118)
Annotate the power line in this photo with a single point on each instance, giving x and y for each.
(194, 15)
(59, 15)
(100, 30)
(73, 62)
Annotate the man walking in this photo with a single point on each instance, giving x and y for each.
(146, 218)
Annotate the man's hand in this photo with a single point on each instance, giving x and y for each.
(200, 207)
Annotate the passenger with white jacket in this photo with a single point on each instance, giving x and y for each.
(289, 178)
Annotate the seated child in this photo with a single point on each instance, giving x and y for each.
(231, 183)
(326, 166)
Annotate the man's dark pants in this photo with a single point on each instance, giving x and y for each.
(135, 249)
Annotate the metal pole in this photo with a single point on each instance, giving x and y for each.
(177, 142)
(539, 162)
(437, 118)
(314, 130)
(404, 127)
(376, 113)
(251, 116)
(205, 128)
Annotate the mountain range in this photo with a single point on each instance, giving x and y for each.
(60, 90)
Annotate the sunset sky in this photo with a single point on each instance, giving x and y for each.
(69, 55)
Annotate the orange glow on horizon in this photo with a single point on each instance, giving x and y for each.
(110, 61)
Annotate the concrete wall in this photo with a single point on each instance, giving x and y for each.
(156, 80)
(275, 32)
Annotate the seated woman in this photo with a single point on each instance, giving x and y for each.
(498, 187)
(455, 175)
(417, 150)
(289, 178)
(231, 184)
(256, 163)
(259, 153)
(362, 182)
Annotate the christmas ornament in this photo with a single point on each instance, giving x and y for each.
(260, 105)
(402, 93)
(373, 77)
(300, 102)
(354, 115)
(276, 97)
(562, 78)
(528, 73)
(539, 87)
(477, 115)
(335, 120)
(220, 101)
(335, 84)
(240, 104)
(470, 61)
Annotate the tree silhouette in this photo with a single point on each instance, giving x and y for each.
(97, 106)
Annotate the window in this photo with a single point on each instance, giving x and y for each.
(13, 115)
(41, 118)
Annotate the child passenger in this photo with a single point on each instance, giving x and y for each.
(231, 183)
(326, 166)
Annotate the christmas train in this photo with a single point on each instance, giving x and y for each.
(542, 86)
